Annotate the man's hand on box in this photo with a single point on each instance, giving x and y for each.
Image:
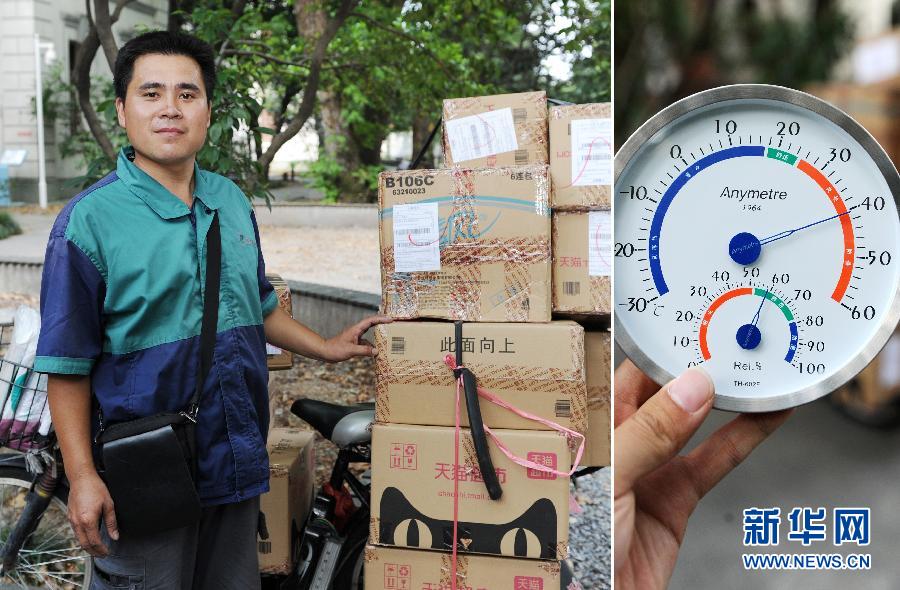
(350, 343)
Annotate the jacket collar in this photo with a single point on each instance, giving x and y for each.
(154, 194)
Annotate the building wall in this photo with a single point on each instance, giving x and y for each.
(60, 22)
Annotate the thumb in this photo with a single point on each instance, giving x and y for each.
(661, 427)
(109, 517)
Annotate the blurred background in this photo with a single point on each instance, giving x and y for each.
(843, 450)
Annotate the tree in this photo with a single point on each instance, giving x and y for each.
(362, 68)
(668, 49)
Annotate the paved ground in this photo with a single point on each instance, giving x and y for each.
(335, 256)
(29, 246)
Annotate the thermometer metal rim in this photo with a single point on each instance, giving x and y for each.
(873, 150)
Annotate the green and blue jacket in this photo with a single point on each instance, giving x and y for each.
(122, 301)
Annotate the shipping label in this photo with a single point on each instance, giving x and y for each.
(591, 152)
(416, 237)
(599, 242)
(481, 135)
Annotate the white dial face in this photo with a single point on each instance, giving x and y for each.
(758, 239)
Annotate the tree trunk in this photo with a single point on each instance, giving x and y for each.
(315, 26)
(339, 145)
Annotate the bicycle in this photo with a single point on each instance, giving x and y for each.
(40, 550)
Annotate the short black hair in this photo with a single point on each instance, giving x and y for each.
(164, 43)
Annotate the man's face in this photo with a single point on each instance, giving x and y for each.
(165, 113)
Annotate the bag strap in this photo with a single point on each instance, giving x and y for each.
(210, 311)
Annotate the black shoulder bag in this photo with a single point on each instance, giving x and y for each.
(149, 464)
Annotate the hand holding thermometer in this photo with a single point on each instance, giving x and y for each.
(689, 184)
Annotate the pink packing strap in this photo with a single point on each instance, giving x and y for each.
(453, 556)
(568, 432)
(451, 362)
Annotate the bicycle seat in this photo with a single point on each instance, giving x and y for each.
(342, 425)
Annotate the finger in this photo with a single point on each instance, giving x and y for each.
(661, 427)
(729, 446)
(79, 535)
(93, 543)
(363, 350)
(370, 321)
(109, 517)
(633, 388)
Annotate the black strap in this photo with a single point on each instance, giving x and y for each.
(476, 424)
(424, 150)
(559, 102)
(210, 309)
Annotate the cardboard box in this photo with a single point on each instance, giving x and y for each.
(581, 170)
(412, 492)
(289, 499)
(875, 107)
(499, 130)
(278, 359)
(582, 262)
(538, 368)
(466, 244)
(409, 569)
(598, 358)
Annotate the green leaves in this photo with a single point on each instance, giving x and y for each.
(390, 64)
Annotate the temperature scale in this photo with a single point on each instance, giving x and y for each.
(756, 236)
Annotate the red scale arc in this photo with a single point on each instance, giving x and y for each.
(846, 226)
(704, 325)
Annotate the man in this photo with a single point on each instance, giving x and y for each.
(121, 306)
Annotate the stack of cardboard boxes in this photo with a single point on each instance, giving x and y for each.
(474, 243)
(581, 185)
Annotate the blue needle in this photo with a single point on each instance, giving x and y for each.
(744, 248)
(749, 336)
(759, 309)
(786, 233)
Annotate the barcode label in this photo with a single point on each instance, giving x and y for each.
(563, 408)
(398, 345)
(416, 231)
(476, 140)
(572, 287)
(521, 157)
(265, 547)
(519, 115)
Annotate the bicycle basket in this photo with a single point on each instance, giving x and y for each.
(24, 412)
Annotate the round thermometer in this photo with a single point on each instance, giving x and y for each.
(756, 236)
